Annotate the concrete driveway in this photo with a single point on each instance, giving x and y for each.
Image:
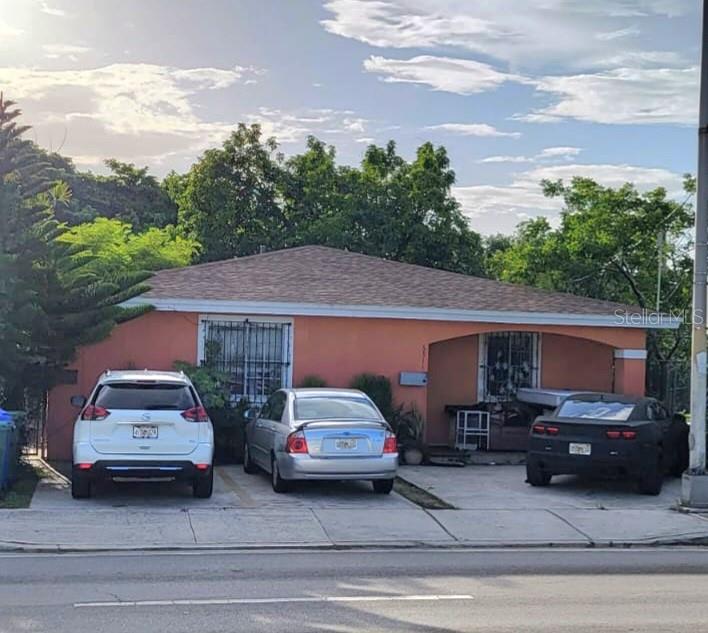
(494, 505)
(505, 488)
(232, 489)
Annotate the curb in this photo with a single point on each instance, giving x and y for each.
(10, 547)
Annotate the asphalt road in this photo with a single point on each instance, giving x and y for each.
(363, 591)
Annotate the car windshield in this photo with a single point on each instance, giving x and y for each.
(158, 396)
(334, 408)
(599, 410)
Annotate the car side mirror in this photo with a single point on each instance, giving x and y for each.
(78, 401)
(679, 417)
(250, 414)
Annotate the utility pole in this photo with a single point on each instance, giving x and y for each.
(694, 489)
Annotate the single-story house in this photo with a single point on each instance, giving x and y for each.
(442, 338)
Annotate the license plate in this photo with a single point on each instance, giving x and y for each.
(145, 432)
(580, 449)
(345, 445)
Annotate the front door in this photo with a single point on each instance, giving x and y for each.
(509, 361)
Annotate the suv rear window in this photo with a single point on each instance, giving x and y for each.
(334, 408)
(158, 396)
(599, 410)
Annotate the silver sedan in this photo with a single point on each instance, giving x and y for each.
(333, 434)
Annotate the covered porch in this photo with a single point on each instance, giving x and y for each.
(483, 372)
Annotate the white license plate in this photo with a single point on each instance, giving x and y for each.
(345, 445)
(580, 449)
(145, 432)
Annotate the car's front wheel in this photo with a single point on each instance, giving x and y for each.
(204, 486)
(382, 486)
(536, 476)
(80, 487)
(248, 466)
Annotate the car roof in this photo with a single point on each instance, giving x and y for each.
(140, 375)
(325, 392)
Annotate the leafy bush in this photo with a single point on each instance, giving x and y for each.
(313, 381)
(227, 417)
(378, 388)
(408, 423)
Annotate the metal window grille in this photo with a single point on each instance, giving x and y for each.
(510, 362)
(255, 355)
(472, 430)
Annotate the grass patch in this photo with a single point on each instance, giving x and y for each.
(20, 493)
(419, 496)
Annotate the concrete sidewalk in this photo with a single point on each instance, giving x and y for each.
(494, 508)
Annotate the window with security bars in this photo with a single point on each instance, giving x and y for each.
(254, 354)
(510, 362)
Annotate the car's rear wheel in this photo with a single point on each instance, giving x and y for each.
(382, 486)
(80, 487)
(202, 487)
(651, 478)
(248, 466)
(537, 476)
(279, 484)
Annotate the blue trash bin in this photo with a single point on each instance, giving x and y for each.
(7, 449)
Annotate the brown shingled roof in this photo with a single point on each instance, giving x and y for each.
(321, 275)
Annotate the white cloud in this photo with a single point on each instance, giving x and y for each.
(499, 208)
(45, 7)
(8, 32)
(555, 152)
(461, 76)
(623, 96)
(545, 155)
(526, 34)
(130, 111)
(628, 95)
(294, 127)
(630, 31)
(55, 51)
(472, 129)
(506, 159)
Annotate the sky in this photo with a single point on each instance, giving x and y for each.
(516, 90)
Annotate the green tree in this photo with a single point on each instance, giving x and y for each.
(127, 193)
(245, 195)
(609, 245)
(112, 248)
(228, 202)
(52, 301)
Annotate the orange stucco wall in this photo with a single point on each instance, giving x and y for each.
(575, 363)
(155, 340)
(338, 348)
(452, 379)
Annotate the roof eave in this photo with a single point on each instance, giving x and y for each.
(619, 319)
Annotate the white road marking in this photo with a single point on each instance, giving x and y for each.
(247, 601)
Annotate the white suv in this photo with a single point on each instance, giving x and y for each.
(144, 424)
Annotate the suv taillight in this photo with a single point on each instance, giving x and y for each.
(296, 443)
(93, 412)
(196, 414)
(390, 444)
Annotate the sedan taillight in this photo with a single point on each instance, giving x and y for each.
(195, 414)
(390, 444)
(296, 443)
(94, 412)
